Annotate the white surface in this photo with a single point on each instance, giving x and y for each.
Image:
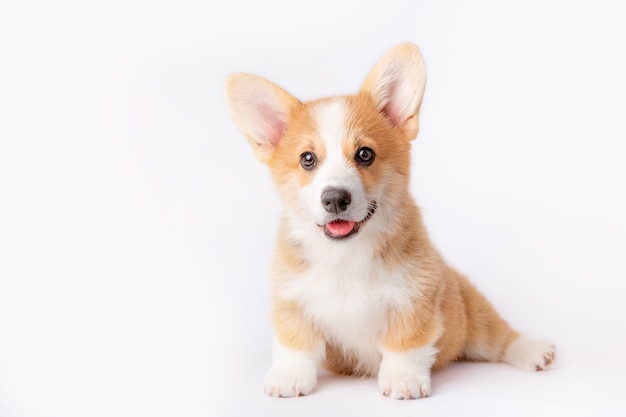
(136, 227)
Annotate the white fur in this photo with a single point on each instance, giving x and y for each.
(529, 354)
(293, 372)
(347, 300)
(406, 375)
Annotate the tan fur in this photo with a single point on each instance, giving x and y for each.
(292, 328)
(446, 309)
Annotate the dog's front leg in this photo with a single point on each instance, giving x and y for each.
(406, 375)
(297, 351)
(293, 372)
(408, 353)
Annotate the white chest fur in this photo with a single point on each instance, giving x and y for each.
(347, 297)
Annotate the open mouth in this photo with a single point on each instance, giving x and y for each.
(342, 229)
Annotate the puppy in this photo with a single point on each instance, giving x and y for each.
(357, 284)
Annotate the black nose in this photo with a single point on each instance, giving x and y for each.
(336, 200)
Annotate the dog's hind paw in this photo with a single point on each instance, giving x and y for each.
(529, 354)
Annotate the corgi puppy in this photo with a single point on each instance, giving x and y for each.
(357, 285)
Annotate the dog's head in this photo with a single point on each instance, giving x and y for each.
(340, 164)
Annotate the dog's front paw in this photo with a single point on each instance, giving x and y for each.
(530, 354)
(404, 388)
(406, 375)
(289, 383)
(293, 372)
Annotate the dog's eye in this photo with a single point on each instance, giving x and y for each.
(308, 160)
(364, 156)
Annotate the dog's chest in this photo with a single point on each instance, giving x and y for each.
(348, 300)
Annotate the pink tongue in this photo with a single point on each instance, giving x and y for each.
(340, 227)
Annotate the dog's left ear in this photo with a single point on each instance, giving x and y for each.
(396, 86)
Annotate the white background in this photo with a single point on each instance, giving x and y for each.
(136, 226)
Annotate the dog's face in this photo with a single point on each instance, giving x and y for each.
(335, 162)
(339, 164)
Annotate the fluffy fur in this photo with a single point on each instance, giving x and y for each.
(357, 284)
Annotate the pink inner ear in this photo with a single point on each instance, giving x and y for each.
(391, 109)
(392, 114)
(273, 123)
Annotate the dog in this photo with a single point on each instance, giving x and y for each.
(357, 285)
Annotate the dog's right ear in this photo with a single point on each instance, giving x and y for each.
(261, 110)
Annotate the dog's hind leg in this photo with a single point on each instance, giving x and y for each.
(490, 338)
